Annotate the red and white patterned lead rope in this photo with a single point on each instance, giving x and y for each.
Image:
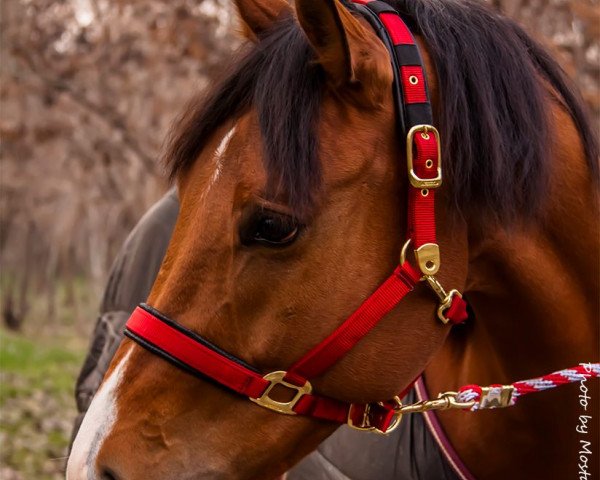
(496, 396)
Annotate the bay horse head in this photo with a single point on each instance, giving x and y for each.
(292, 186)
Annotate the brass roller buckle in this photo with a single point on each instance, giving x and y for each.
(415, 180)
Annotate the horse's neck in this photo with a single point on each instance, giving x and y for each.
(534, 292)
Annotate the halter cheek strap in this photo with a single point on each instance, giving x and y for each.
(196, 355)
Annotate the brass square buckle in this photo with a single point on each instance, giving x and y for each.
(415, 180)
(287, 408)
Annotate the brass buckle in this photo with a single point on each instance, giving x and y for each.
(445, 298)
(365, 424)
(287, 408)
(415, 180)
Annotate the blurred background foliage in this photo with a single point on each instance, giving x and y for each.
(88, 89)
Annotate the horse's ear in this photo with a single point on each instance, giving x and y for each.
(259, 15)
(349, 52)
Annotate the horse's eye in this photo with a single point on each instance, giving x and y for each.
(271, 229)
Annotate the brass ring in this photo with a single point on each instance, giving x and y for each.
(404, 251)
(424, 192)
(413, 79)
(429, 163)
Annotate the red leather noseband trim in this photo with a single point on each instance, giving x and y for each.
(191, 352)
(194, 354)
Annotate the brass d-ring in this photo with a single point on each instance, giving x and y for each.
(404, 251)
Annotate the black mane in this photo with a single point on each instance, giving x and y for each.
(493, 115)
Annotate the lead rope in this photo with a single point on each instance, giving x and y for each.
(475, 397)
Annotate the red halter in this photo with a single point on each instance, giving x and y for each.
(196, 355)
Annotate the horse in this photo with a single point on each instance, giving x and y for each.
(292, 182)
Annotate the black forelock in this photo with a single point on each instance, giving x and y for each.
(281, 80)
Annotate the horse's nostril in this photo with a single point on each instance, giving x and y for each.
(108, 474)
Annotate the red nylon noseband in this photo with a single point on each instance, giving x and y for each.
(196, 355)
(188, 350)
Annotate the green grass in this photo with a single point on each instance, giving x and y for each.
(38, 369)
(40, 365)
(22, 355)
(37, 406)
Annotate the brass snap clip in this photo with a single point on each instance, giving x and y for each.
(444, 401)
(445, 298)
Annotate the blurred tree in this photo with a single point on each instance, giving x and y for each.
(572, 27)
(88, 90)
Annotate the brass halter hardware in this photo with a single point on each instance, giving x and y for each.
(415, 180)
(428, 258)
(365, 424)
(287, 408)
(449, 401)
(435, 285)
(445, 401)
(445, 298)
(496, 397)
